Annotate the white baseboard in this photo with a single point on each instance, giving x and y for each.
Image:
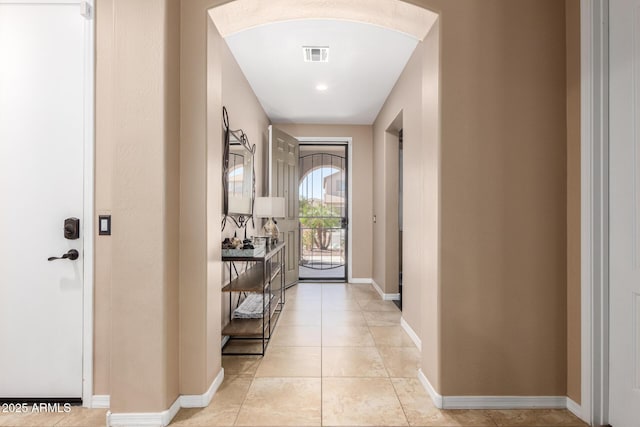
(162, 419)
(435, 396)
(574, 408)
(101, 401)
(503, 402)
(385, 297)
(412, 334)
(168, 414)
(495, 402)
(202, 400)
(367, 280)
(377, 288)
(360, 280)
(144, 419)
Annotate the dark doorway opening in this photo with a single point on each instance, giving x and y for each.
(398, 302)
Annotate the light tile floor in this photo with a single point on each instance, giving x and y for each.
(77, 417)
(338, 358)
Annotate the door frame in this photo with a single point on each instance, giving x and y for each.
(88, 7)
(348, 207)
(594, 20)
(349, 142)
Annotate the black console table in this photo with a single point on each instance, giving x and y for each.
(261, 285)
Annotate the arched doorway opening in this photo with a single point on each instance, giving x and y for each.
(379, 219)
(199, 129)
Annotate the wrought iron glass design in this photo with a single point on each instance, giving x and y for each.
(323, 213)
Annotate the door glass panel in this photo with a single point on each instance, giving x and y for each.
(323, 212)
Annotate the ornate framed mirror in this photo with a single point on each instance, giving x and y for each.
(238, 174)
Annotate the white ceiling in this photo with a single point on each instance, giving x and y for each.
(365, 61)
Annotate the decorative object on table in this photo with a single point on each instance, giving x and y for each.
(238, 175)
(262, 241)
(253, 307)
(236, 242)
(246, 248)
(246, 253)
(270, 208)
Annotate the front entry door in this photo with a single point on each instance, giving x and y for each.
(41, 184)
(284, 151)
(323, 199)
(624, 187)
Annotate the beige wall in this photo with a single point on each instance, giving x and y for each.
(401, 110)
(137, 176)
(201, 202)
(194, 325)
(171, 121)
(104, 152)
(412, 106)
(362, 190)
(573, 201)
(503, 198)
(429, 247)
(213, 196)
(246, 113)
(502, 259)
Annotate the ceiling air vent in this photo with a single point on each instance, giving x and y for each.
(316, 53)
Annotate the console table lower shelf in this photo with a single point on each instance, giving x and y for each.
(256, 299)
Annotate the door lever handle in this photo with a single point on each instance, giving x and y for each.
(72, 255)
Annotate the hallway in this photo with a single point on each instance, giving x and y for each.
(340, 358)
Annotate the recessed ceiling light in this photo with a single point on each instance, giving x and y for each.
(322, 87)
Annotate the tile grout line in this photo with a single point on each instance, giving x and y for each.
(380, 354)
(406, 418)
(244, 399)
(395, 391)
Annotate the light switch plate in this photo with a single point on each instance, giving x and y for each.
(104, 225)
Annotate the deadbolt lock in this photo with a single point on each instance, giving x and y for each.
(72, 228)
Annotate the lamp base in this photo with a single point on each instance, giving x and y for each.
(271, 229)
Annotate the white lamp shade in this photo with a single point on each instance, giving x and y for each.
(269, 207)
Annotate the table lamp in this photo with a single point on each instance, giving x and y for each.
(270, 208)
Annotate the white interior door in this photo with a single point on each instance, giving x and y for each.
(41, 184)
(624, 279)
(284, 154)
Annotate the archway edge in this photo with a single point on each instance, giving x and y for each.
(239, 15)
